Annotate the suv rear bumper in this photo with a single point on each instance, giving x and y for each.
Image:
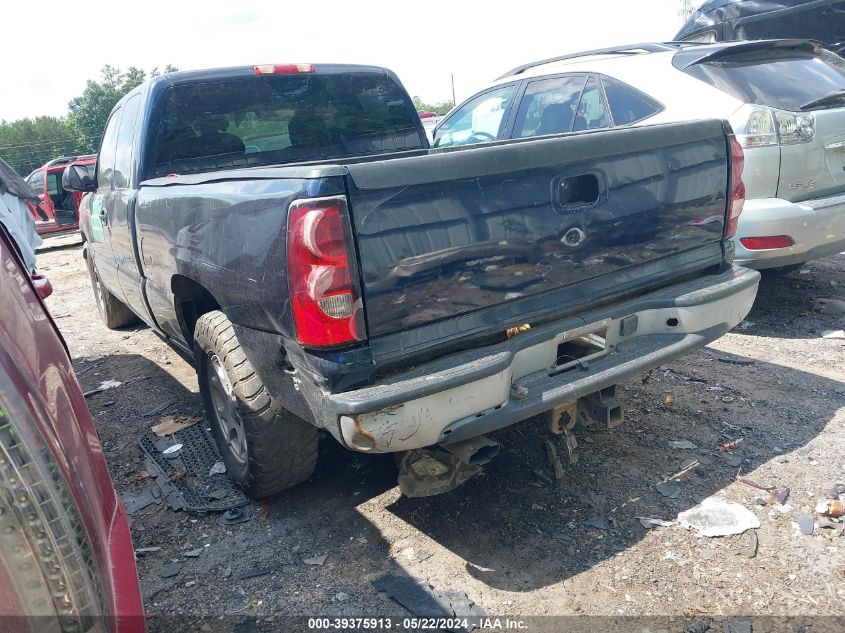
(477, 391)
(817, 228)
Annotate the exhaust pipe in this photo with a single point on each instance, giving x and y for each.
(474, 451)
(425, 472)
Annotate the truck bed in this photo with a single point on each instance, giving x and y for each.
(456, 244)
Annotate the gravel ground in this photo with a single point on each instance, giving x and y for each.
(767, 401)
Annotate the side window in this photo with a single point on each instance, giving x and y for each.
(592, 111)
(627, 104)
(52, 184)
(105, 161)
(36, 181)
(477, 121)
(123, 153)
(548, 106)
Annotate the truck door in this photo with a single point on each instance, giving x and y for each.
(43, 212)
(120, 209)
(99, 236)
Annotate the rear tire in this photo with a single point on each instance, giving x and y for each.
(114, 312)
(265, 447)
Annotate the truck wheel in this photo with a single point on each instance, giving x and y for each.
(114, 313)
(265, 447)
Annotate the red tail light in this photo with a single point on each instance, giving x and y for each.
(737, 199)
(766, 242)
(324, 294)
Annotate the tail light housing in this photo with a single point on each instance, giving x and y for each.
(737, 197)
(760, 126)
(47, 564)
(322, 276)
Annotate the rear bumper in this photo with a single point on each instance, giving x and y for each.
(817, 228)
(478, 391)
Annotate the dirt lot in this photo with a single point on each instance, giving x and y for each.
(517, 545)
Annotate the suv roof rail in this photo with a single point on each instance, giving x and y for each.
(61, 160)
(631, 49)
(66, 160)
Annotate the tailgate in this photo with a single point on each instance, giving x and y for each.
(455, 232)
(815, 169)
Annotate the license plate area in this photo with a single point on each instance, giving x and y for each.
(580, 347)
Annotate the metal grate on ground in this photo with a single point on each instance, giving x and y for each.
(189, 471)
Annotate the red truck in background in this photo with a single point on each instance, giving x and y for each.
(58, 209)
(66, 557)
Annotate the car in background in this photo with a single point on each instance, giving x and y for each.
(58, 209)
(785, 100)
(66, 557)
(429, 120)
(725, 20)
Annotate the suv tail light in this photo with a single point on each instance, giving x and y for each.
(737, 199)
(766, 242)
(47, 566)
(759, 126)
(325, 298)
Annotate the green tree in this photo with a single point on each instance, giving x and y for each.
(440, 108)
(29, 143)
(89, 112)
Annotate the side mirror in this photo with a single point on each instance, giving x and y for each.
(42, 285)
(79, 178)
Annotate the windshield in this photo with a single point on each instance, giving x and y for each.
(281, 119)
(784, 81)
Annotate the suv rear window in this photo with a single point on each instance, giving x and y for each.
(281, 119)
(786, 81)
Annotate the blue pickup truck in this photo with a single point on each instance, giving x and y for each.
(289, 228)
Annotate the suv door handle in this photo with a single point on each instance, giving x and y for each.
(104, 218)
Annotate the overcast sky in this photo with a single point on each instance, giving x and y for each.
(48, 49)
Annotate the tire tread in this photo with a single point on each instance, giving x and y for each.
(281, 448)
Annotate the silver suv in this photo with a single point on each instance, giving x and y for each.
(785, 100)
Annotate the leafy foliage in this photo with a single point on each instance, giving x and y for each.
(89, 112)
(29, 143)
(440, 108)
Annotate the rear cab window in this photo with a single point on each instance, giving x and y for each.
(282, 118)
(787, 80)
(479, 120)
